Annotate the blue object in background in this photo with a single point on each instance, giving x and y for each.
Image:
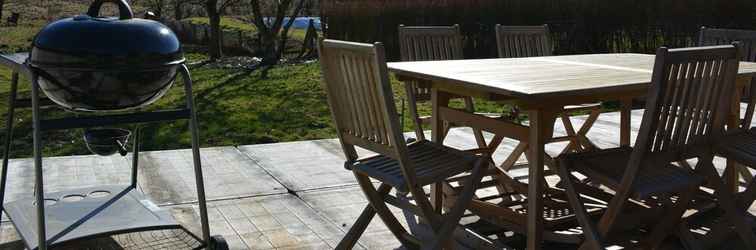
(299, 22)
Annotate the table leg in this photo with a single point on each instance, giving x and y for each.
(626, 106)
(541, 125)
(731, 176)
(438, 99)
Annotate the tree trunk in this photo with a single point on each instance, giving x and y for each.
(284, 34)
(273, 37)
(2, 2)
(215, 46)
(178, 9)
(269, 49)
(159, 8)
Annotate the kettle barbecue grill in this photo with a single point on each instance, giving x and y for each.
(91, 64)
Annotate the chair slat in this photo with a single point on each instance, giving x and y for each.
(703, 93)
(684, 90)
(424, 43)
(693, 93)
(747, 39)
(354, 83)
(523, 41)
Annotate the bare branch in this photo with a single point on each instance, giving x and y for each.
(280, 14)
(227, 3)
(258, 17)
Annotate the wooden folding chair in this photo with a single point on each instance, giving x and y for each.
(686, 107)
(747, 41)
(737, 145)
(427, 43)
(362, 107)
(532, 41)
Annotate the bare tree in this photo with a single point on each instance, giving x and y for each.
(178, 9)
(273, 32)
(216, 9)
(179, 6)
(2, 2)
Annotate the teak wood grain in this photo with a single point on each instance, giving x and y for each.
(535, 41)
(542, 77)
(523, 41)
(362, 107)
(429, 43)
(686, 107)
(542, 86)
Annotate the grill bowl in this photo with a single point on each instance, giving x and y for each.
(93, 63)
(107, 141)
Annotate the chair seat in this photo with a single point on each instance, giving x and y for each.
(608, 166)
(432, 163)
(739, 146)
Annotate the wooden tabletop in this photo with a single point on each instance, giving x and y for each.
(543, 77)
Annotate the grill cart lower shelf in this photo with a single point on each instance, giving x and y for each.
(88, 213)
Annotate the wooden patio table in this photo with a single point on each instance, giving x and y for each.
(542, 86)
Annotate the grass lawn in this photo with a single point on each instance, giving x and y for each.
(235, 107)
(234, 24)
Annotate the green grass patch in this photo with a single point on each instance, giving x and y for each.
(235, 107)
(19, 38)
(227, 23)
(234, 24)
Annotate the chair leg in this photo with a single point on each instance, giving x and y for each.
(495, 143)
(412, 106)
(379, 205)
(687, 239)
(747, 197)
(727, 202)
(412, 223)
(354, 234)
(451, 219)
(670, 219)
(743, 170)
(511, 160)
(574, 144)
(470, 107)
(592, 237)
(587, 125)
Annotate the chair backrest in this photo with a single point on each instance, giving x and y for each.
(688, 100)
(427, 43)
(746, 39)
(523, 41)
(360, 97)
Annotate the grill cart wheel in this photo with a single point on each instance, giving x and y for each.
(217, 242)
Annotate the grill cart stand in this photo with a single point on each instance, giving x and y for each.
(97, 211)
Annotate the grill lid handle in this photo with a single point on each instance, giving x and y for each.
(123, 8)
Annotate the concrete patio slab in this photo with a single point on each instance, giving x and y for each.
(266, 222)
(168, 176)
(248, 186)
(342, 206)
(304, 165)
(62, 173)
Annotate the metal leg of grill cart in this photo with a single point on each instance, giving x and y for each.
(39, 192)
(193, 126)
(135, 158)
(8, 137)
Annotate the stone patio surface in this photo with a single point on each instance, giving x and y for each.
(293, 195)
